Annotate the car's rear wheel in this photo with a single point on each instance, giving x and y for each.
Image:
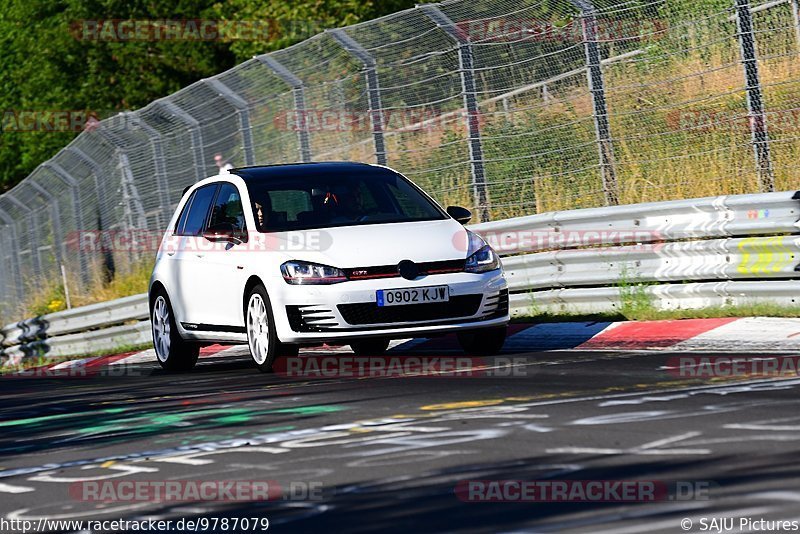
(172, 351)
(261, 335)
(483, 341)
(370, 347)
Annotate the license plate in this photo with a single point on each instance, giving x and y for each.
(417, 295)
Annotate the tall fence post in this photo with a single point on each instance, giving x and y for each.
(36, 256)
(299, 95)
(469, 93)
(133, 210)
(795, 5)
(242, 111)
(755, 99)
(99, 186)
(373, 88)
(77, 208)
(164, 207)
(194, 131)
(55, 217)
(594, 74)
(13, 253)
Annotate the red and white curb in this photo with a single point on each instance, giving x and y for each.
(749, 334)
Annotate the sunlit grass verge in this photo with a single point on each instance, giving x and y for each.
(761, 309)
(49, 296)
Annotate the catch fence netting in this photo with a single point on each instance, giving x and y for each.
(506, 107)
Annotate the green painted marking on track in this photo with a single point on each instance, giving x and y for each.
(44, 418)
(36, 420)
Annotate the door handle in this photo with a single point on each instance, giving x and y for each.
(199, 255)
(170, 253)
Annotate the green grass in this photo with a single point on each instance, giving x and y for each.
(640, 312)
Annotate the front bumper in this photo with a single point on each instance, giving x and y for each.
(348, 310)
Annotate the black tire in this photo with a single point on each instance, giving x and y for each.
(255, 324)
(370, 347)
(483, 341)
(288, 349)
(172, 351)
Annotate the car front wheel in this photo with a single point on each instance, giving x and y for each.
(172, 351)
(261, 336)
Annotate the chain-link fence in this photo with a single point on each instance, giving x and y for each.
(508, 107)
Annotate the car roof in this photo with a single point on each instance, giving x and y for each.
(288, 170)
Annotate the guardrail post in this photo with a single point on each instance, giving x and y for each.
(55, 216)
(36, 256)
(469, 93)
(755, 100)
(373, 88)
(194, 131)
(12, 253)
(299, 94)
(594, 74)
(77, 207)
(242, 111)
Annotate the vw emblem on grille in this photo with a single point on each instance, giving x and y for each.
(408, 269)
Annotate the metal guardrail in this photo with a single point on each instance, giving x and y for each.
(702, 218)
(664, 296)
(731, 250)
(724, 250)
(100, 326)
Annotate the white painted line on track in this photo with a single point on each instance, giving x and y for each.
(8, 488)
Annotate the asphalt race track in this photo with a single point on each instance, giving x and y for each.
(387, 453)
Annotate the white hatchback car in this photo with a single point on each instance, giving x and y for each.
(289, 255)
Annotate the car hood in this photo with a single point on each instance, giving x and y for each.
(376, 244)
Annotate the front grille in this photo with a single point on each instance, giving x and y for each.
(390, 271)
(371, 313)
(309, 319)
(501, 301)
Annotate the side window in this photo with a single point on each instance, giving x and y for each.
(182, 219)
(198, 211)
(228, 213)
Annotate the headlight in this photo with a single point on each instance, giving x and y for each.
(480, 256)
(303, 272)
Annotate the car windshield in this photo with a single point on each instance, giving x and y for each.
(283, 203)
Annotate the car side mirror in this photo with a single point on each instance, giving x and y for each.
(462, 215)
(224, 233)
